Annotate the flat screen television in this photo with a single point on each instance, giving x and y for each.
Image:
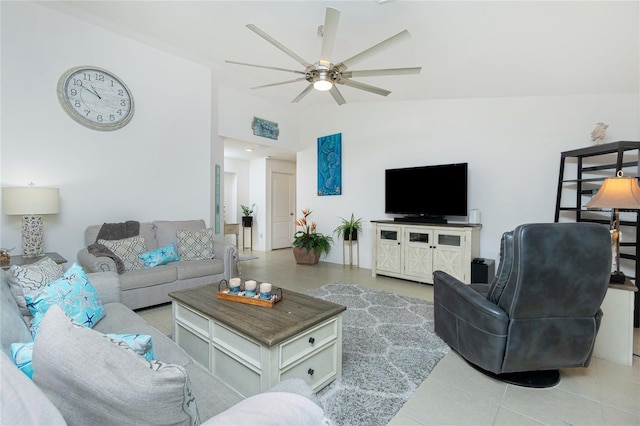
(427, 193)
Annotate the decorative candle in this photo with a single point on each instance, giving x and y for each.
(250, 285)
(234, 282)
(265, 288)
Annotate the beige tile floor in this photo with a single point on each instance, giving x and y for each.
(455, 394)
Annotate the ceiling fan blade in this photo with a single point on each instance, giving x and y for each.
(373, 50)
(278, 84)
(278, 44)
(303, 93)
(337, 95)
(329, 34)
(388, 71)
(367, 87)
(264, 66)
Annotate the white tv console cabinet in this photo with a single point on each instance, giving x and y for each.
(413, 250)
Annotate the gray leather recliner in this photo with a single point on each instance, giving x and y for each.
(540, 313)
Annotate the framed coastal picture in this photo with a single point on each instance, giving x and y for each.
(330, 165)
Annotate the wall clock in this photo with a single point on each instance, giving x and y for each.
(95, 98)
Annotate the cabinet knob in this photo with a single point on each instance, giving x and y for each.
(312, 340)
(310, 371)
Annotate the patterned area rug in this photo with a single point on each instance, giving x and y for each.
(389, 348)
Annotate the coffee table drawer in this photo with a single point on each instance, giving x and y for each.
(196, 321)
(307, 342)
(317, 370)
(239, 345)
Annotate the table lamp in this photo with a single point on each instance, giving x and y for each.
(31, 202)
(617, 193)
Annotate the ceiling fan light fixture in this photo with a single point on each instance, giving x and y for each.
(322, 82)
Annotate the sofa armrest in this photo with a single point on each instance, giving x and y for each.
(229, 254)
(91, 263)
(107, 284)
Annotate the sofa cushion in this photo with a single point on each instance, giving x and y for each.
(195, 245)
(165, 230)
(128, 250)
(21, 401)
(29, 278)
(69, 360)
(14, 329)
(160, 256)
(199, 268)
(148, 277)
(73, 293)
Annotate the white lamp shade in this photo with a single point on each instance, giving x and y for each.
(30, 201)
(617, 192)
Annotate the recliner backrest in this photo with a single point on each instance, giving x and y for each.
(504, 269)
(559, 270)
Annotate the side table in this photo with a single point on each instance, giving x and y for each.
(22, 261)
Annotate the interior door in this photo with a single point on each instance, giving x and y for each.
(282, 210)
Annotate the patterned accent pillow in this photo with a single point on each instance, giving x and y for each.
(142, 344)
(73, 293)
(160, 256)
(29, 278)
(72, 360)
(195, 245)
(22, 354)
(128, 250)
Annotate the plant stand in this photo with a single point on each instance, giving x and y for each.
(244, 237)
(350, 244)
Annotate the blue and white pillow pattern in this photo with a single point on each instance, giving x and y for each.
(160, 256)
(142, 344)
(22, 353)
(73, 293)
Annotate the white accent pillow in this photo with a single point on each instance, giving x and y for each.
(128, 250)
(91, 380)
(28, 278)
(195, 245)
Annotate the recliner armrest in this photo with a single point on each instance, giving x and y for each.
(468, 305)
(91, 263)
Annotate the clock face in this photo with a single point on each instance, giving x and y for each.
(95, 98)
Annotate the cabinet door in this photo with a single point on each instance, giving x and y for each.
(449, 253)
(418, 254)
(389, 252)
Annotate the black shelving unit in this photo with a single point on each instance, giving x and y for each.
(591, 166)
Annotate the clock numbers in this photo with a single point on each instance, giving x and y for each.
(95, 98)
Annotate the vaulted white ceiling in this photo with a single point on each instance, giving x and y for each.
(466, 49)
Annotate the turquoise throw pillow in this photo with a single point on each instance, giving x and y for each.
(22, 353)
(73, 293)
(160, 256)
(140, 343)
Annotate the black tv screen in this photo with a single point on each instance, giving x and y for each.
(437, 191)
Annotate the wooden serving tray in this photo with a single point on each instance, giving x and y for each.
(256, 301)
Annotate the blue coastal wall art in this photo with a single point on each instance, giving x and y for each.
(264, 128)
(330, 165)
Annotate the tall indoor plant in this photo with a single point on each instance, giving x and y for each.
(349, 228)
(247, 212)
(308, 244)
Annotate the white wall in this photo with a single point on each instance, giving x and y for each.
(157, 167)
(512, 145)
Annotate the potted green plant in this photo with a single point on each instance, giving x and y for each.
(349, 228)
(247, 212)
(308, 244)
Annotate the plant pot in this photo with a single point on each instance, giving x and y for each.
(354, 235)
(247, 221)
(306, 258)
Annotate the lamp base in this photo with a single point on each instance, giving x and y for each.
(617, 278)
(32, 236)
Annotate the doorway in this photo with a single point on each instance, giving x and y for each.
(282, 209)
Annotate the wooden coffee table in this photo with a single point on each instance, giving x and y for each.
(252, 348)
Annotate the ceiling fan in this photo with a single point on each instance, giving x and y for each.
(325, 75)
